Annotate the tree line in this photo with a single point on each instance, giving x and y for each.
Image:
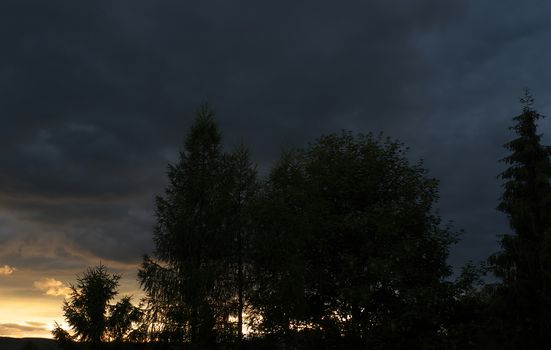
(338, 246)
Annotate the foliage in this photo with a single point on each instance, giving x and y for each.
(89, 313)
(243, 191)
(195, 281)
(63, 338)
(86, 309)
(524, 264)
(348, 244)
(466, 315)
(123, 316)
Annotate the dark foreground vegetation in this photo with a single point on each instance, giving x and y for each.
(337, 247)
(27, 344)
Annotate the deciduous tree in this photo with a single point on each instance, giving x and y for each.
(349, 246)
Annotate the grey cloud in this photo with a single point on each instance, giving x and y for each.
(96, 98)
(8, 328)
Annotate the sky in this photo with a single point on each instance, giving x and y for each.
(97, 97)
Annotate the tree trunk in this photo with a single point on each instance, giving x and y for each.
(240, 283)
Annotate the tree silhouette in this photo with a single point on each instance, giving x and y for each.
(348, 246)
(122, 317)
(189, 284)
(90, 314)
(63, 338)
(522, 302)
(86, 309)
(339, 247)
(243, 190)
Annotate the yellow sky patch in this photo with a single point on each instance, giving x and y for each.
(30, 303)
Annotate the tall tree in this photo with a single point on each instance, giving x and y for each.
(243, 191)
(523, 300)
(350, 247)
(187, 281)
(279, 269)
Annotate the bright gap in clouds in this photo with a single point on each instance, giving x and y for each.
(6, 270)
(52, 287)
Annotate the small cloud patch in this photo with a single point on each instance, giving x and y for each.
(7, 270)
(23, 329)
(53, 287)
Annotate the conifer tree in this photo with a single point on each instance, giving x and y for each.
(194, 282)
(243, 189)
(92, 317)
(522, 301)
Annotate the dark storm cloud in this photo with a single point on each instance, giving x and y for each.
(96, 97)
(479, 67)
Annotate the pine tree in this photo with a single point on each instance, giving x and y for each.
(522, 301)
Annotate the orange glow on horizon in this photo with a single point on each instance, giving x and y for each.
(31, 302)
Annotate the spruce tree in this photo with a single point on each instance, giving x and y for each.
(92, 316)
(521, 304)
